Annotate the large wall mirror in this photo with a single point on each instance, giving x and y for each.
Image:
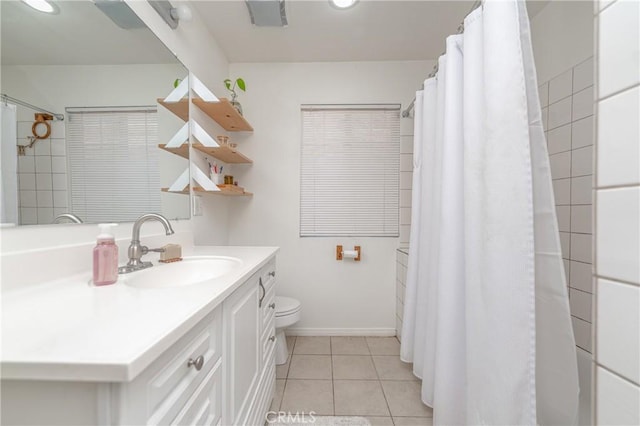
(98, 156)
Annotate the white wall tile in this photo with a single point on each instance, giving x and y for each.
(405, 198)
(565, 244)
(616, 399)
(581, 247)
(405, 215)
(42, 147)
(406, 180)
(28, 199)
(618, 238)
(560, 165)
(28, 216)
(581, 219)
(59, 164)
(562, 191)
(581, 276)
(44, 198)
(582, 133)
(58, 147)
(567, 269)
(619, 139)
(404, 235)
(543, 93)
(44, 181)
(618, 328)
(561, 86)
(601, 4)
(582, 161)
(406, 144)
(58, 211)
(582, 333)
(27, 181)
(583, 104)
(618, 47)
(580, 303)
(43, 164)
(559, 139)
(57, 130)
(23, 131)
(564, 218)
(582, 190)
(26, 164)
(583, 75)
(406, 162)
(559, 114)
(60, 199)
(59, 181)
(399, 309)
(399, 291)
(45, 215)
(545, 118)
(406, 126)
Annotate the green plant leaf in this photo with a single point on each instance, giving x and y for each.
(240, 83)
(227, 83)
(177, 82)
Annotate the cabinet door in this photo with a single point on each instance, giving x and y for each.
(241, 354)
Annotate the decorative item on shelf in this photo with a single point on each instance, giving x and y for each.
(239, 83)
(228, 180)
(177, 82)
(233, 146)
(223, 140)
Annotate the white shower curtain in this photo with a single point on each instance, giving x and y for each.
(486, 321)
(8, 165)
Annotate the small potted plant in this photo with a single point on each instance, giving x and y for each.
(239, 83)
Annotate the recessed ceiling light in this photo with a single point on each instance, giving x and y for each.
(342, 4)
(42, 6)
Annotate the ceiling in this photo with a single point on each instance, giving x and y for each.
(79, 35)
(373, 30)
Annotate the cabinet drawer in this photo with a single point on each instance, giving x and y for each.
(173, 381)
(268, 339)
(205, 406)
(268, 273)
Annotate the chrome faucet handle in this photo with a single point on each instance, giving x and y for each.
(146, 250)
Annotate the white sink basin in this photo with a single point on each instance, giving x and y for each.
(191, 270)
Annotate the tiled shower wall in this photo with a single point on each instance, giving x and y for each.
(567, 111)
(42, 175)
(406, 178)
(617, 254)
(402, 260)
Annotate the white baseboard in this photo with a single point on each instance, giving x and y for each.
(378, 332)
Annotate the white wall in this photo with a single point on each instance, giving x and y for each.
(617, 199)
(562, 36)
(337, 297)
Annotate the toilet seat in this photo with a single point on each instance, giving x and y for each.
(286, 306)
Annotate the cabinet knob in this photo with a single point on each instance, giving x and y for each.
(197, 363)
(272, 305)
(272, 338)
(272, 273)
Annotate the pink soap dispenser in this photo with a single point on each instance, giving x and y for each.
(105, 256)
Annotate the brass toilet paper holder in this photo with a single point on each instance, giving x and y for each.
(349, 254)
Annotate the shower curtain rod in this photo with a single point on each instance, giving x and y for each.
(6, 98)
(406, 113)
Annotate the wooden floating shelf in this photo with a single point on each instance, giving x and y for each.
(180, 108)
(223, 191)
(224, 114)
(223, 153)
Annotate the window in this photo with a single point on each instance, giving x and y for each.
(113, 155)
(350, 170)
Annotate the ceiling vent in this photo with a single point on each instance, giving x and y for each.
(267, 13)
(120, 13)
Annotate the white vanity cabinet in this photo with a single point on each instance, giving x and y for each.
(220, 372)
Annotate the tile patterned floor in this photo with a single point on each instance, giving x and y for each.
(350, 376)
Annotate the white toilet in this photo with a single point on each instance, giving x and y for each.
(287, 314)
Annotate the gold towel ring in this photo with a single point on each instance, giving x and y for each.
(42, 119)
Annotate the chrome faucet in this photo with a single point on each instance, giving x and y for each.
(72, 218)
(136, 250)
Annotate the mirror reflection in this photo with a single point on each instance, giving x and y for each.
(80, 119)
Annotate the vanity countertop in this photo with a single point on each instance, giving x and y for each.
(70, 330)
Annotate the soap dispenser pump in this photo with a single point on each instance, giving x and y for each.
(105, 256)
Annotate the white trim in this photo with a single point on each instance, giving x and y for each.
(202, 136)
(373, 332)
(203, 91)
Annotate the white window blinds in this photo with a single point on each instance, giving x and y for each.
(350, 170)
(113, 163)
